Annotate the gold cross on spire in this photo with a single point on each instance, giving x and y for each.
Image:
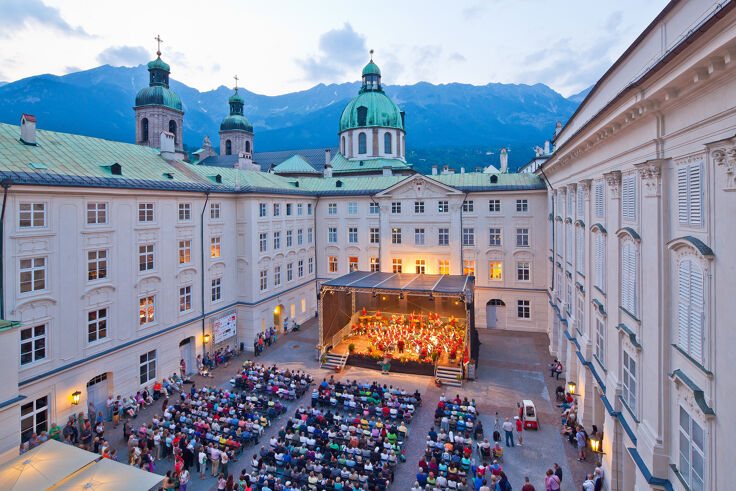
(159, 40)
(371, 55)
(236, 82)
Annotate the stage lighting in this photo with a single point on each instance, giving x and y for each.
(401, 296)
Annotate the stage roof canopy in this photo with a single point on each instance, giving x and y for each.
(405, 282)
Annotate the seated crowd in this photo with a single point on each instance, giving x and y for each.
(368, 398)
(286, 384)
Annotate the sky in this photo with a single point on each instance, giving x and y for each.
(280, 46)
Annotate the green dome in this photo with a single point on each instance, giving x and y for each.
(236, 98)
(158, 95)
(380, 111)
(371, 69)
(236, 122)
(160, 64)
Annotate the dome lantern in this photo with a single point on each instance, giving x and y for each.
(371, 76)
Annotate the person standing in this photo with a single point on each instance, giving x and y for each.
(519, 428)
(202, 462)
(108, 407)
(215, 458)
(527, 485)
(183, 480)
(580, 438)
(508, 428)
(558, 472)
(551, 481)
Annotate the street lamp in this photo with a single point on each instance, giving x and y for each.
(595, 445)
(206, 338)
(76, 395)
(571, 388)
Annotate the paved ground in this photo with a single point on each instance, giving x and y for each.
(512, 367)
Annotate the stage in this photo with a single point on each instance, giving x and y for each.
(414, 321)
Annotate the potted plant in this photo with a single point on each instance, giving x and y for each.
(435, 356)
(323, 360)
(351, 348)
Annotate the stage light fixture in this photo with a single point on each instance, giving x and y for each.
(401, 296)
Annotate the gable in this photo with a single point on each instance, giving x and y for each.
(418, 186)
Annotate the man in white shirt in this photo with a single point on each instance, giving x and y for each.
(508, 428)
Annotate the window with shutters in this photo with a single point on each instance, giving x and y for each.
(628, 198)
(600, 340)
(629, 278)
(569, 243)
(690, 309)
(690, 194)
(580, 256)
(692, 451)
(580, 311)
(579, 201)
(600, 200)
(600, 261)
(628, 393)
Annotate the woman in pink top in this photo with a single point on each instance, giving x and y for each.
(552, 481)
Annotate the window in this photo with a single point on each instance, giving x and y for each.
(146, 213)
(362, 143)
(580, 312)
(690, 194)
(387, 142)
(309, 235)
(277, 240)
(690, 309)
(215, 246)
(579, 201)
(290, 272)
(332, 235)
(332, 208)
(96, 265)
(277, 275)
(148, 367)
(96, 325)
(523, 270)
(600, 260)
(310, 264)
(522, 237)
(288, 209)
(600, 200)
(375, 265)
(146, 257)
(396, 236)
(300, 268)
(300, 236)
(34, 418)
(289, 238)
(352, 264)
(569, 202)
(304, 305)
(32, 274)
(494, 205)
(468, 236)
(261, 209)
(353, 235)
(523, 310)
(309, 208)
(468, 206)
(32, 344)
(628, 394)
(494, 237)
(228, 147)
(215, 211)
(396, 207)
(299, 209)
(373, 208)
(332, 264)
(216, 291)
(629, 278)
(495, 269)
(396, 264)
(443, 206)
(263, 279)
(443, 237)
(32, 215)
(628, 197)
(362, 116)
(444, 266)
(522, 206)
(185, 298)
(420, 266)
(276, 209)
(146, 310)
(419, 236)
(352, 208)
(185, 212)
(569, 243)
(692, 452)
(469, 268)
(600, 339)
(375, 236)
(568, 298)
(96, 213)
(580, 239)
(262, 242)
(419, 207)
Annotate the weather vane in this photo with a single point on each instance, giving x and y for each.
(371, 55)
(236, 82)
(159, 40)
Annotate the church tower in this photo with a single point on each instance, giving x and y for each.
(236, 132)
(158, 108)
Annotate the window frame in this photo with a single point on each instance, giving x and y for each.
(185, 212)
(146, 310)
(33, 269)
(216, 289)
(97, 208)
(97, 266)
(146, 258)
(93, 325)
(523, 309)
(32, 215)
(32, 341)
(146, 364)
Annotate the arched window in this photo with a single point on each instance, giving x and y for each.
(144, 129)
(387, 142)
(629, 275)
(362, 143)
(362, 115)
(247, 146)
(172, 129)
(228, 147)
(690, 309)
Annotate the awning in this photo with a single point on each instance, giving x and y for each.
(108, 475)
(43, 466)
(403, 282)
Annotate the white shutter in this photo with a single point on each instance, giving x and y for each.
(580, 201)
(568, 239)
(628, 278)
(682, 195)
(697, 318)
(683, 305)
(581, 250)
(599, 260)
(695, 193)
(628, 198)
(599, 201)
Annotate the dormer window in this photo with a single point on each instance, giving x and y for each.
(362, 115)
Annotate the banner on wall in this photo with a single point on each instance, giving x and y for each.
(224, 327)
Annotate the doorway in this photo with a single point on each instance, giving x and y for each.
(186, 353)
(496, 314)
(97, 391)
(278, 316)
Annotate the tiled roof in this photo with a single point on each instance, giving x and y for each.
(314, 156)
(341, 165)
(296, 164)
(477, 181)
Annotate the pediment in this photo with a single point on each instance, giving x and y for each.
(418, 186)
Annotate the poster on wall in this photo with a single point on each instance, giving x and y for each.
(224, 327)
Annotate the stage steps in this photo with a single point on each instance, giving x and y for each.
(449, 375)
(335, 361)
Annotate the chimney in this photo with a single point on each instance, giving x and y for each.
(387, 170)
(168, 146)
(28, 129)
(327, 171)
(434, 170)
(328, 158)
(504, 157)
(462, 170)
(245, 162)
(546, 147)
(558, 128)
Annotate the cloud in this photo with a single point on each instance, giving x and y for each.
(472, 12)
(16, 14)
(340, 50)
(457, 57)
(123, 56)
(71, 69)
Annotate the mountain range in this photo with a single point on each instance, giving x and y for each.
(456, 124)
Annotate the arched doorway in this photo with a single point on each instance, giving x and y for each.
(98, 388)
(187, 353)
(278, 316)
(496, 314)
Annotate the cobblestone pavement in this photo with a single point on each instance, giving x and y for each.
(512, 367)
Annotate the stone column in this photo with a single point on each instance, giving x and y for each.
(350, 145)
(375, 143)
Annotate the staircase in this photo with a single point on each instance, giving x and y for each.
(449, 375)
(335, 361)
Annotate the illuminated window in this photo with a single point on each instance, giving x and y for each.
(396, 236)
(215, 246)
(420, 266)
(96, 265)
(332, 264)
(375, 265)
(353, 264)
(444, 266)
(185, 298)
(469, 268)
(185, 251)
(494, 236)
(147, 310)
(495, 270)
(396, 263)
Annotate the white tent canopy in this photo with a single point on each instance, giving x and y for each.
(43, 466)
(108, 475)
